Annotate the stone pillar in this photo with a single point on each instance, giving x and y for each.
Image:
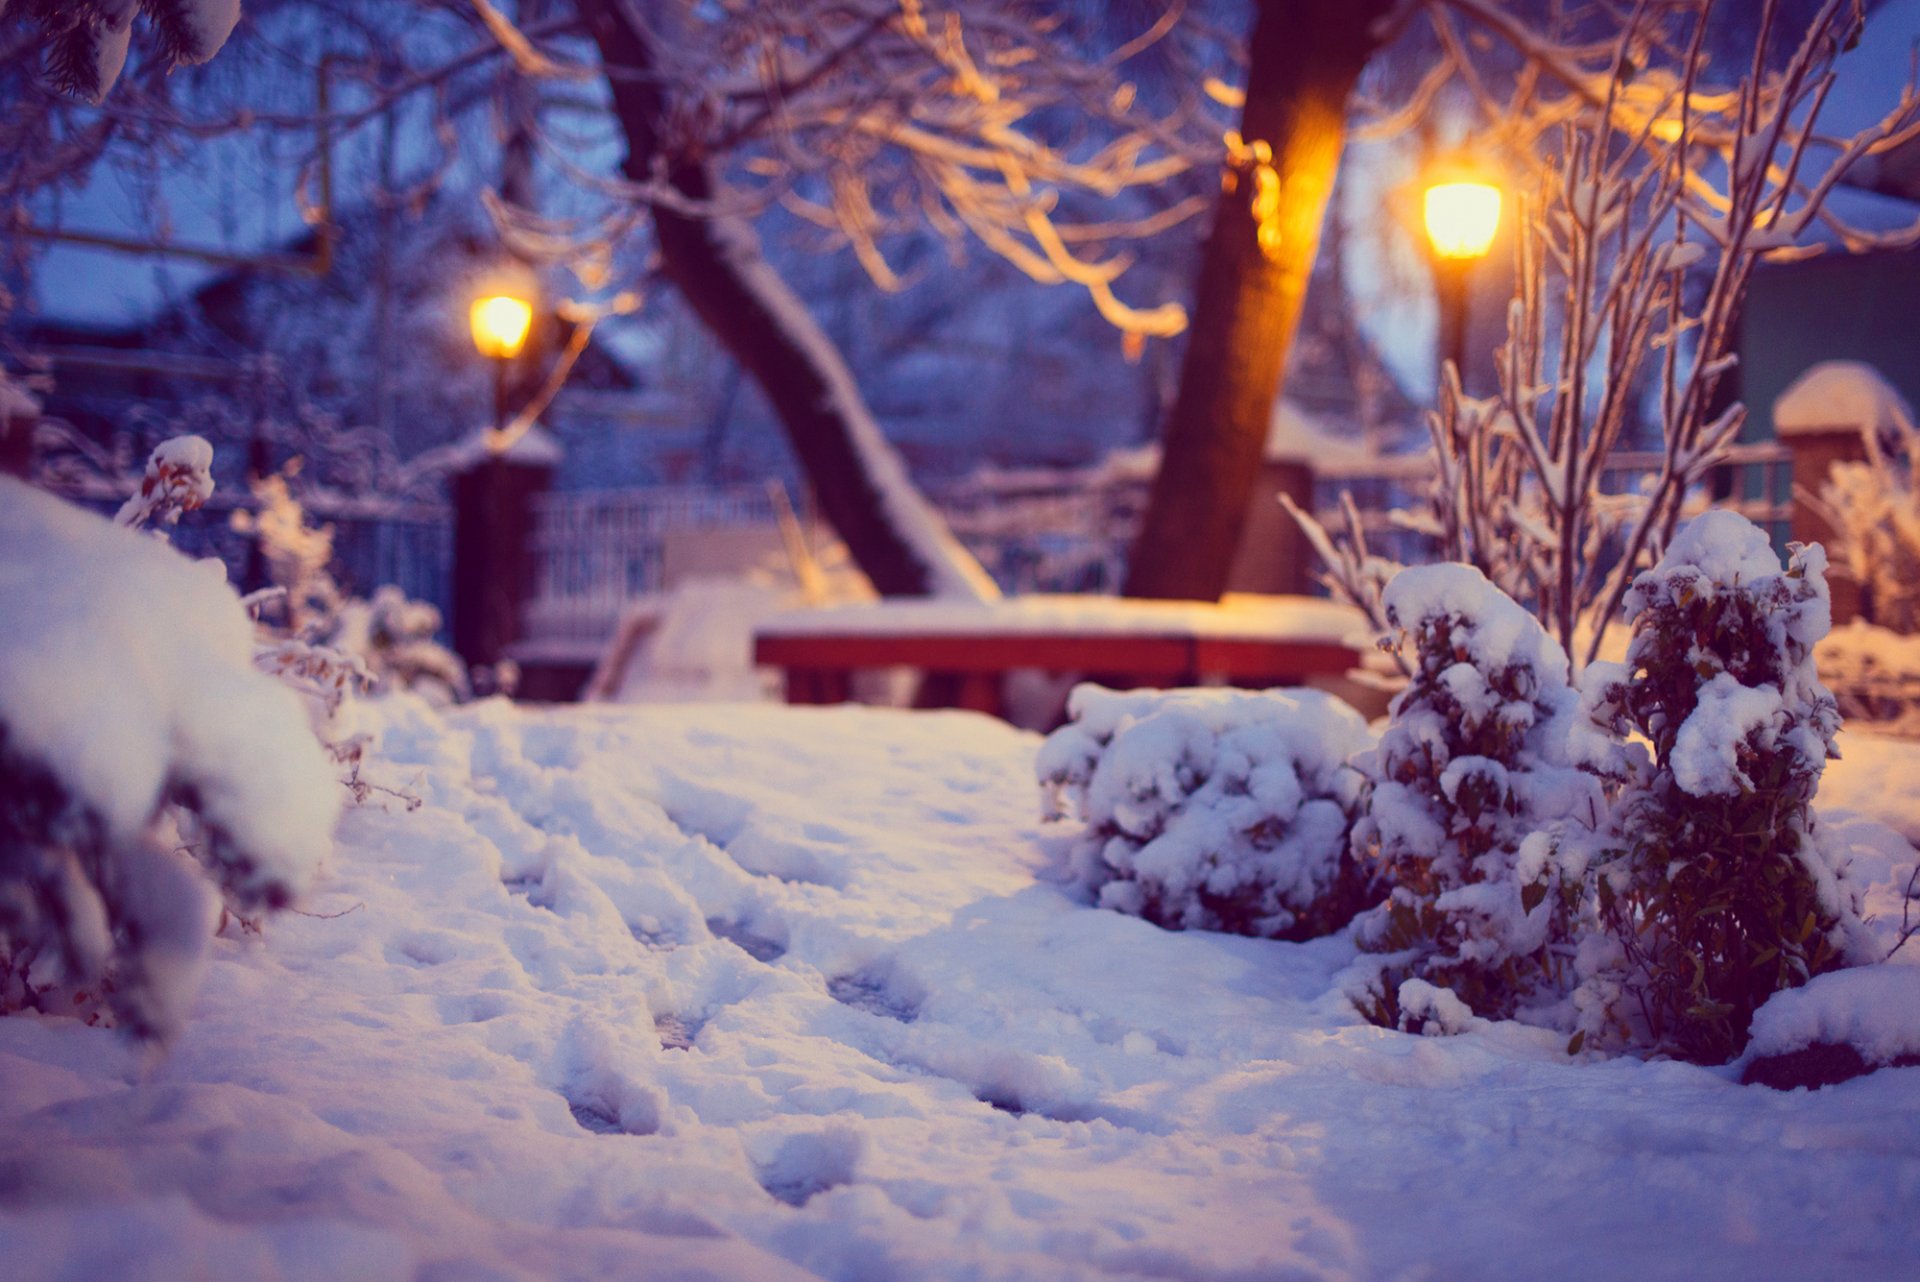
(493, 564)
(1826, 416)
(1274, 555)
(1814, 453)
(19, 416)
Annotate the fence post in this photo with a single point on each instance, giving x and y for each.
(19, 416)
(1822, 419)
(493, 524)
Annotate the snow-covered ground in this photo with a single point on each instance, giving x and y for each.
(762, 993)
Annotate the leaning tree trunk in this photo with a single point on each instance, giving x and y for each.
(1303, 59)
(858, 479)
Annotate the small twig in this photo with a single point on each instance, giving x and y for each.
(252, 601)
(300, 912)
(1907, 929)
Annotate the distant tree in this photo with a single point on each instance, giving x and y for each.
(957, 95)
(1304, 58)
(987, 119)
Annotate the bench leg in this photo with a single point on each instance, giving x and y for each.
(973, 691)
(819, 685)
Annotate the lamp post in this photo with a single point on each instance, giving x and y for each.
(500, 323)
(493, 497)
(1462, 217)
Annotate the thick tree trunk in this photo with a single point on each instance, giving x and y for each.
(1303, 59)
(858, 479)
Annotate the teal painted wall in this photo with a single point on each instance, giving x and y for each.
(1863, 307)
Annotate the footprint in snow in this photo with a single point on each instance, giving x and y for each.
(757, 946)
(868, 992)
(599, 1112)
(677, 1033)
(424, 948)
(804, 1166)
(471, 1008)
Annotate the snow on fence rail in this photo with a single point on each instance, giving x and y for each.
(1754, 480)
(596, 551)
(1068, 530)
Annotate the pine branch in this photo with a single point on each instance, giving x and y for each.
(182, 40)
(73, 60)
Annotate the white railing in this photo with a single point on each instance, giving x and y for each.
(597, 552)
(1069, 537)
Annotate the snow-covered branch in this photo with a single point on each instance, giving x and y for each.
(1650, 198)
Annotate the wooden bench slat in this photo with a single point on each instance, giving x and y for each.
(1238, 659)
(1159, 657)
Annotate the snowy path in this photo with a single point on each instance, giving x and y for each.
(767, 993)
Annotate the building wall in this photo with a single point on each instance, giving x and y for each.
(1863, 307)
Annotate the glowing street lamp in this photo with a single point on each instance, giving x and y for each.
(500, 323)
(1462, 216)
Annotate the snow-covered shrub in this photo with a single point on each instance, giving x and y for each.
(139, 748)
(1212, 809)
(331, 643)
(1719, 896)
(1468, 804)
(393, 635)
(297, 555)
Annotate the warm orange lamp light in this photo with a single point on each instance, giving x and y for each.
(500, 325)
(1462, 217)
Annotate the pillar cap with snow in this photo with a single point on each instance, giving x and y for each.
(535, 447)
(1840, 396)
(19, 413)
(1296, 436)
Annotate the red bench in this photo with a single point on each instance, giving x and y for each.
(967, 652)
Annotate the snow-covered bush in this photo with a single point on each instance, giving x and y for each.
(392, 634)
(1468, 804)
(139, 749)
(324, 639)
(1719, 896)
(1212, 809)
(297, 555)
